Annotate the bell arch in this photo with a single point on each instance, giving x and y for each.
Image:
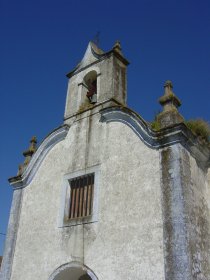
(73, 271)
(90, 82)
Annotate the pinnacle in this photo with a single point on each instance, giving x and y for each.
(169, 101)
(168, 83)
(28, 154)
(117, 47)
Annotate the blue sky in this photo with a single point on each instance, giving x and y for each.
(41, 41)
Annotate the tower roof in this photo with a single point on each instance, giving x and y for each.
(94, 54)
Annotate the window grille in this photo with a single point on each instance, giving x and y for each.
(81, 197)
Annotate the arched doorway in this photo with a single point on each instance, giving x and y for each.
(73, 271)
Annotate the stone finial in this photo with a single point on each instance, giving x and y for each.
(28, 154)
(169, 100)
(170, 103)
(117, 47)
(168, 87)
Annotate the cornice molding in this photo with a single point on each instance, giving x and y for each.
(175, 134)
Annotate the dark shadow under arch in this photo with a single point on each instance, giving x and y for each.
(73, 271)
(90, 82)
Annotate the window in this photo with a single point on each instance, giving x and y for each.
(81, 196)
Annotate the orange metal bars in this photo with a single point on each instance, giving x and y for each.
(81, 197)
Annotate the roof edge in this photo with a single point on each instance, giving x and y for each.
(100, 55)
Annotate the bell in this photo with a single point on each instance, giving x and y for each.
(93, 98)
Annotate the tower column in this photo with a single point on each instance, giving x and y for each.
(175, 183)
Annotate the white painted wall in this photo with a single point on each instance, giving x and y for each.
(126, 241)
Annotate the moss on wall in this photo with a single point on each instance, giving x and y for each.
(200, 128)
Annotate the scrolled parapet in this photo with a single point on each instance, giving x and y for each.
(168, 136)
(23, 179)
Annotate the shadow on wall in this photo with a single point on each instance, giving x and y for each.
(0, 261)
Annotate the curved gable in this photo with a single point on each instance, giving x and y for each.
(47, 144)
(156, 140)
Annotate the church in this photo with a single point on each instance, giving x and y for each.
(107, 197)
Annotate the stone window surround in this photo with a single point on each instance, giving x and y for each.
(64, 220)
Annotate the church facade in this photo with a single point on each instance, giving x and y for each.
(104, 196)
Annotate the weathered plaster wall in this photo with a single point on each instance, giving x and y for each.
(198, 207)
(126, 241)
(186, 215)
(174, 214)
(208, 178)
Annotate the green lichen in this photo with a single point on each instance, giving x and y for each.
(200, 128)
(155, 125)
(85, 106)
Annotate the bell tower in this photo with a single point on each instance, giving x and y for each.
(98, 78)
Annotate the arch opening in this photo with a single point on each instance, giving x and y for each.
(72, 274)
(73, 271)
(90, 82)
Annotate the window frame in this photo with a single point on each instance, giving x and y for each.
(63, 219)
